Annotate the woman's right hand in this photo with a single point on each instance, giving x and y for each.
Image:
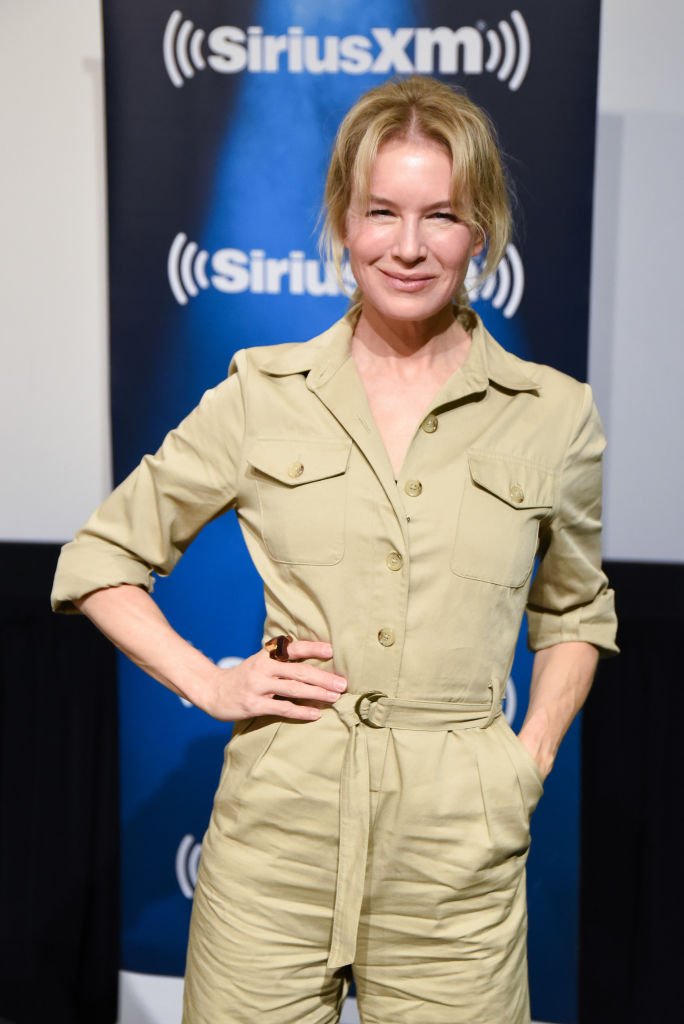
(260, 685)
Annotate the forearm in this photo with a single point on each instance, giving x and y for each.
(561, 679)
(131, 619)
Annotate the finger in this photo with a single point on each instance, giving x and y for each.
(303, 691)
(319, 649)
(310, 675)
(284, 709)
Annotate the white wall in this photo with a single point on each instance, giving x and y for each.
(637, 340)
(54, 432)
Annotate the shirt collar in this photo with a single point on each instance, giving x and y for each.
(487, 362)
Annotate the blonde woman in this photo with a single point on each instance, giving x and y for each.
(394, 479)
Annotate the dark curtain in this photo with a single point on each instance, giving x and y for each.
(633, 817)
(58, 804)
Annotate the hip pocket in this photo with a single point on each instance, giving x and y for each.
(251, 740)
(525, 766)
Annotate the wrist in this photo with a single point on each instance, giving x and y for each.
(199, 680)
(536, 737)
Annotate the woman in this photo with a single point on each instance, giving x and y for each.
(394, 479)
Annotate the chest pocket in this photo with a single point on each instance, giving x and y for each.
(302, 490)
(504, 499)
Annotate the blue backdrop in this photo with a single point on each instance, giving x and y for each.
(220, 120)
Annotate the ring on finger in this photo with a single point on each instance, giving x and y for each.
(277, 647)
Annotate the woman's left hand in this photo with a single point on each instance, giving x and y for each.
(561, 678)
(534, 747)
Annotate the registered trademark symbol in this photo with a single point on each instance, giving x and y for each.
(481, 25)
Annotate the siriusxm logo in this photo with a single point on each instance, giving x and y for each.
(471, 50)
(234, 271)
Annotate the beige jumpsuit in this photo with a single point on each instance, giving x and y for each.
(392, 833)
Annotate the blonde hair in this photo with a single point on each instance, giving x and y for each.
(416, 107)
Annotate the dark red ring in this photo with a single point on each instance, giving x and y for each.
(277, 647)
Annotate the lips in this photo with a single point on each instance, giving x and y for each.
(407, 282)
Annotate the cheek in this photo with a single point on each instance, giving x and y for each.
(457, 258)
(355, 228)
(364, 246)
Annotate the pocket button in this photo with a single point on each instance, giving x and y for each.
(517, 494)
(295, 469)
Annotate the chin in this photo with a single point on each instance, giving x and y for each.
(410, 308)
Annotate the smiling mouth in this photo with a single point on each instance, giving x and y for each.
(407, 283)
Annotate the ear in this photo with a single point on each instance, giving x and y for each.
(478, 243)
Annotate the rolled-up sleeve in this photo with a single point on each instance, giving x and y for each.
(147, 523)
(570, 598)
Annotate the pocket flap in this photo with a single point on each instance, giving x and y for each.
(519, 483)
(295, 462)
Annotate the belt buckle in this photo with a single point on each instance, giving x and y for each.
(372, 697)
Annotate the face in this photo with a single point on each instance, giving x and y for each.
(409, 250)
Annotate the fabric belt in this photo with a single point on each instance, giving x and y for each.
(375, 710)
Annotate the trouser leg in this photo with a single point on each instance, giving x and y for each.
(443, 930)
(245, 966)
(425, 972)
(262, 914)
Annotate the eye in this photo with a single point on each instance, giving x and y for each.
(378, 212)
(446, 215)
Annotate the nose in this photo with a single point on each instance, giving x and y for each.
(409, 246)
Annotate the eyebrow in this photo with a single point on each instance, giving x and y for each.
(389, 202)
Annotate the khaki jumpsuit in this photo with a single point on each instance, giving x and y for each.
(392, 833)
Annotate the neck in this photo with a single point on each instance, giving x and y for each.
(420, 341)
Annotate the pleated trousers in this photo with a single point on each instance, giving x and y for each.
(388, 838)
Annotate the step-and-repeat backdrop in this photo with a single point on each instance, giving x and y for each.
(220, 121)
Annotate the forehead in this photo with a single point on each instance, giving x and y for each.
(416, 157)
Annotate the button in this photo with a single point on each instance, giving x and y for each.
(430, 424)
(517, 494)
(394, 561)
(386, 637)
(295, 469)
(413, 488)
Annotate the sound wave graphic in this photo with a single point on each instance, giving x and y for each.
(509, 51)
(182, 49)
(505, 287)
(186, 268)
(187, 864)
